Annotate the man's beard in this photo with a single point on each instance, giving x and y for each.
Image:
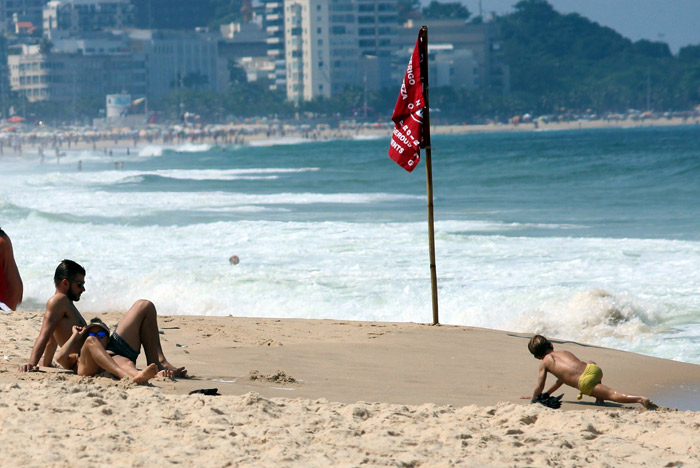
(72, 296)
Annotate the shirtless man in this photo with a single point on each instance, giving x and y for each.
(93, 356)
(569, 370)
(11, 287)
(138, 327)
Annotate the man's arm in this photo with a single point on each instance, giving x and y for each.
(49, 351)
(67, 356)
(51, 318)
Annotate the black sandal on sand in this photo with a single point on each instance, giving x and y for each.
(206, 391)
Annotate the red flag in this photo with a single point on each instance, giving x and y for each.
(407, 138)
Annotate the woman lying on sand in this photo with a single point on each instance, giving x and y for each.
(93, 358)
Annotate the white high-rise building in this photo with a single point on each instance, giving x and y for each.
(67, 18)
(273, 23)
(333, 44)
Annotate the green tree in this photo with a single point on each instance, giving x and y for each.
(408, 9)
(689, 53)
(226, 11)
(567, 61)
(45, 46)
(236, 73)
(437, 10)
(651, 49)
(195, 80)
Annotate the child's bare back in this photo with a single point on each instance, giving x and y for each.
(565, 366)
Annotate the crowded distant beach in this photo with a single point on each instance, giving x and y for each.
(48, 143)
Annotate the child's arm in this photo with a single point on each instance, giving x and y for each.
(555, 386)
(541, 379)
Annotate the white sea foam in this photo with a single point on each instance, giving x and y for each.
(102, 178)
(280, 141)
(581, 289)
(193, 148)
(101, 203)
(370, 137)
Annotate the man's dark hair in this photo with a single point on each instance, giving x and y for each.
(539, 345)
(67, 269)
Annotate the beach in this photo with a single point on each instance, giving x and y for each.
(118, 139)
(315, 340)
(297, 392)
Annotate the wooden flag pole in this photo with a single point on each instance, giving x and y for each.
(429, 173)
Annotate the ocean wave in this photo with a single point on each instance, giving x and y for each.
(97, 203)
(193, 148)
(369, 137)
(589, 316)
(280, 141)
(151, 151)
(109, 177)
(459, 228)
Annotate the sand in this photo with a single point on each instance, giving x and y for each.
(339, 393)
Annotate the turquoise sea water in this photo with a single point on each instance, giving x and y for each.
(591, 236)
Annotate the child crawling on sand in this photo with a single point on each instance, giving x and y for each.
(569, 370)
(93, 358)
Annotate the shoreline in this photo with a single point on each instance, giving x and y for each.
(123, 140)
(228, 350)
(337, 393)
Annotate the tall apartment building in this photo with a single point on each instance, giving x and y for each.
(173, 56)
(273, 24)
(20, 10)
(333, 44)
(482, 40)
(66, 18)
(76, 70)
(141, 63)
(4, 77)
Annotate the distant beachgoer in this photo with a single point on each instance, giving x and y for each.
(93, 357)
(80, 165)
(234, 260)
(11, 286)
(137, 328)
(568, 369)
